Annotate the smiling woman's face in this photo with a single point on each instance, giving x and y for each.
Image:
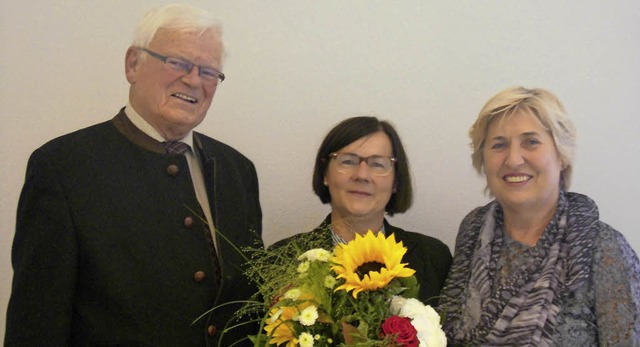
(359, 193)
(521, 163)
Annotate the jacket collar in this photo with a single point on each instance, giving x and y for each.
(124, 125)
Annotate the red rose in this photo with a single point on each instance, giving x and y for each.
(401, 327)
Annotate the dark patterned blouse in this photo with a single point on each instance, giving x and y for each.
(586, 273)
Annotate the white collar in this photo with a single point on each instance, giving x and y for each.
(146, 128)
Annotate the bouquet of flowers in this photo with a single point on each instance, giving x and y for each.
(358, 294)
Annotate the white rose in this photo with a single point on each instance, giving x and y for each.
(423, 317)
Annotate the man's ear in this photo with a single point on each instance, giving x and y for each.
(131, 64)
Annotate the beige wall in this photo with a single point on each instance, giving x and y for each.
(295, 68)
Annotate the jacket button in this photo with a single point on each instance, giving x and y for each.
(173, 170)
(188, 222)
(199, 276)
(212, 330)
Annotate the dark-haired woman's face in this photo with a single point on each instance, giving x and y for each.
(358, 192)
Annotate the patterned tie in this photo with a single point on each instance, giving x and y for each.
(175, 147)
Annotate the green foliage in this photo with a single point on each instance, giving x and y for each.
(277, 271)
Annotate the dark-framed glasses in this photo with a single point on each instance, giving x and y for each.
(207, 73)
(349, 162)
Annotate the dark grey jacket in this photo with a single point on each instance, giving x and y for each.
(108, 252)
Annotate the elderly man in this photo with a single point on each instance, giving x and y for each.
(129, 230)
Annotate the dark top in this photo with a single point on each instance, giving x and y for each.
(429, 256)
(108, 250)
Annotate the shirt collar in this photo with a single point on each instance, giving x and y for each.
(337, 239)
(146, 128)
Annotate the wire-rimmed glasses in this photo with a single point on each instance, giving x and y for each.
(378, 165)
(207, 73)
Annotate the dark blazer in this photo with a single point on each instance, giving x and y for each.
(109, 252)
(429, 256)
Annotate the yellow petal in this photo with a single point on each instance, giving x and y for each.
(366, 249)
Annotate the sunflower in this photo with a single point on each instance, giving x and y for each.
(369, 262)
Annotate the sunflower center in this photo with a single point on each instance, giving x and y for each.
(368, 266)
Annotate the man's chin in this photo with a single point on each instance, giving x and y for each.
(182, 119)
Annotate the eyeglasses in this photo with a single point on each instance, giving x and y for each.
(349, 162)
(207, 73)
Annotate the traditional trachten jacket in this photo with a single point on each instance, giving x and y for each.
(109, 248)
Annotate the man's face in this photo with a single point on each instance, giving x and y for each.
(173, 102)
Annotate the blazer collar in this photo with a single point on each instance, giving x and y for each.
(124, 125)
(135, 135)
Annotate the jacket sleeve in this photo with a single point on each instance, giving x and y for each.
(616, 276)
(44, 259)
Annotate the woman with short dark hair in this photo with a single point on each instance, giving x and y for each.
(362, 171)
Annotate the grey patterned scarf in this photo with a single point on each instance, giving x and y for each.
(523, 310)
